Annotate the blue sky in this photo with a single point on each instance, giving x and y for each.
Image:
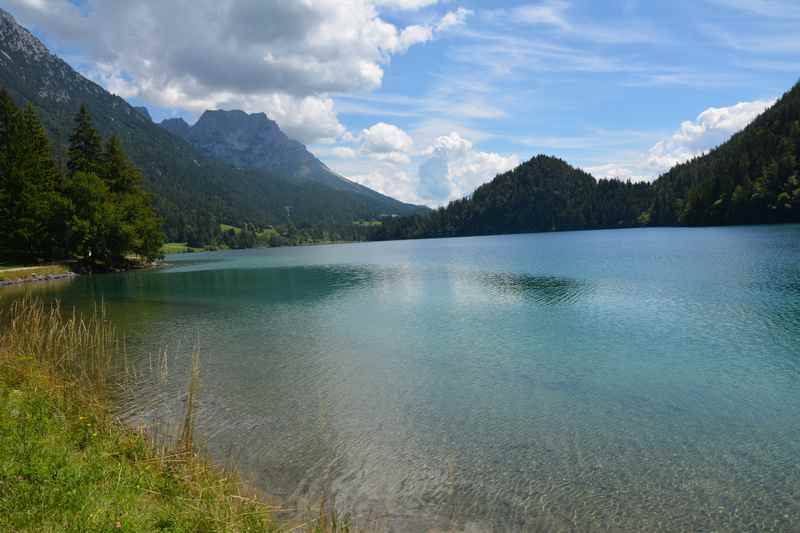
(426, 99)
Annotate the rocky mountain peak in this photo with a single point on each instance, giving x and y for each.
(18, 39)
(176, 126)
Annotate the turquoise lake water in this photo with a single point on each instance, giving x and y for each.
(628, 380)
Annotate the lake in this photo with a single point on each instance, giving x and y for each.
(627, 380)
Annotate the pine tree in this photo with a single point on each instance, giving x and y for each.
(29, 191)
(40, 185)
(119, 173)
(9, 130)
(85, 146)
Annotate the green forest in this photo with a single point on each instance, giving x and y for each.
(88, 204)
(754, 178)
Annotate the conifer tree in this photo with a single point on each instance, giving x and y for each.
(29, 187)
(85, 146)
(119, 173)
(40, 186)
(9, 128)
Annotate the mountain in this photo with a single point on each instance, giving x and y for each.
(192, 191)
(176, 126)
(254, 141)
(753, 178)
(144, 112)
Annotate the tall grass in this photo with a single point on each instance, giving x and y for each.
(67, 364)
(186, 441)
(81, 348)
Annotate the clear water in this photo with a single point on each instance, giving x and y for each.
(630, 380)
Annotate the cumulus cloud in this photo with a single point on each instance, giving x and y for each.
(450, 167)
(711, 128)
(385, 142)
(385, 138)
(454, 169)
(390, 180)
(200, 54)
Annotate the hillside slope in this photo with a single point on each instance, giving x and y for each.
(752, 178)
(192, 191)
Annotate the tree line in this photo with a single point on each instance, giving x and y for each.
(753, 178)
(89, 205)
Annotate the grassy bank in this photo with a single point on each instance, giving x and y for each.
(18, 274)
(179, 248)
(67, 465)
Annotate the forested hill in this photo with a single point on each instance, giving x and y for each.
(753, 178)
(543, 194)
(193, 193)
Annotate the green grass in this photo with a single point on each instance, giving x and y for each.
(266, 234)
(178, 248)
(67, 465)
(228, 227)
(22, 272)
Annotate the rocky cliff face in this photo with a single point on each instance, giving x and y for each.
(256, 142)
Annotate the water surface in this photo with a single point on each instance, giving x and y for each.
(621, 380)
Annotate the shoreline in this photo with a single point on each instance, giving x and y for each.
(63, 271)
(37, 278)
(71, 461)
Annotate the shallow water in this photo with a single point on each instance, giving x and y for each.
(608, 380)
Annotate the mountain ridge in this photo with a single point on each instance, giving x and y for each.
(194, 193)
(253, 140)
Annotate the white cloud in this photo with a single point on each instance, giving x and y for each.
(478, 168)
(286, 56)
(397, 158)
(414, 35)
(449, 145)
(454, 19)
(385, 138)
(453, 169)
(394, 182)
(450, 167)
(405, 4)
(343, 152)
(711, 128)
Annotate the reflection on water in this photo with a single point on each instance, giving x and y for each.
(545, 290)
(642, 380)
